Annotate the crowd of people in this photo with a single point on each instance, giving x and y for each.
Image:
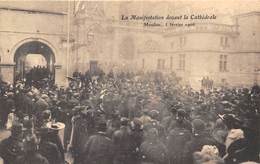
(207, 83)
(129, 118)
(38, 76)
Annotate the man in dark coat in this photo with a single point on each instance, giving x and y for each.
(245, 148)
(53, 137)
(181, 121)
(83, 128)
(136, 140)
(49, 149)
(238, 152)
(152, 150)
(198, 140)
(167, 120)
(67, 114)
(177, 137)
(40, 106)
(24, 104)
(13, 145)
(98, 149)
(122, 143)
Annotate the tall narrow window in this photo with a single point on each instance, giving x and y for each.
(220, 63)
(221, 40)
(160, 64)
(171, 62)
(143, 63)
(182, 62)
(224, 41)
(223, 63)
(163, 64)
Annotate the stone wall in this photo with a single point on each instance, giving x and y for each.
(19, 26)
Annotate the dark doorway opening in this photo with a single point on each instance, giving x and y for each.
(34, 62)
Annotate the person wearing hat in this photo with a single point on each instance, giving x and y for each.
(31, 154)
(231, 121)
(152, 150)
(122, 143)
(82, 129)
(99, 148)
(250, 128)
(28, 127)
(43, 119)
(199, 138)
(49, 149)
(13, 145)
(113, 124)
(46, 98)
(219, 134)
(177, 137)
(53, 136)
(35, 107)
(181, 121)
(137, 138)
(167, 121)
(40, 104)
(24, 104)
(237, 147)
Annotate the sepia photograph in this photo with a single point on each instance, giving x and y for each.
(129, 81)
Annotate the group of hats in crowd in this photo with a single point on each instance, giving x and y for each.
(155, 102)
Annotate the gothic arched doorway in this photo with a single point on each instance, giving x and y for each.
(34, 54)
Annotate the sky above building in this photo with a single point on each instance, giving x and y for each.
(113, 9)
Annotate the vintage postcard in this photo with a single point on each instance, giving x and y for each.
(129, 82)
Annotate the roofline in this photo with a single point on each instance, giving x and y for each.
(33, 11)
(248, 14)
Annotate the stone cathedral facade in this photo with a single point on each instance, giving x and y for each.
(227, 53)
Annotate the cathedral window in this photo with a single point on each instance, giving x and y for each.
(171, 62)
(223, 63)
(224, 41)
(143, 63)
(160, 64)
(182, 62)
